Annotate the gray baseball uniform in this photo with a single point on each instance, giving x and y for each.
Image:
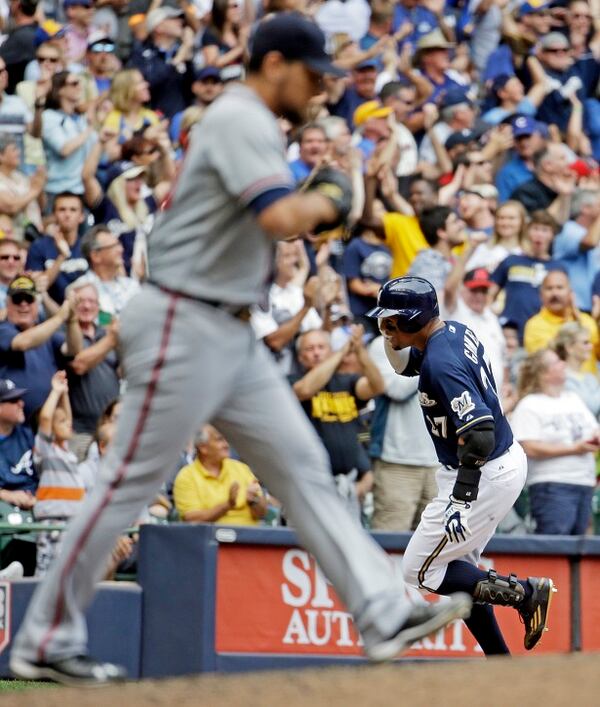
(188, 362)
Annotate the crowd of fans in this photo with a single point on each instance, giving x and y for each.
(471, 132)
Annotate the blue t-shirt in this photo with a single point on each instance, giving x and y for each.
(496, 115)
(499, 62)
(514, 173)
(520, 276)
(457, 390)
(17, 471)
(581, 266)
(41, 256)
(423, 21)
(30, 369)
(365, 261)
(347, 104)
(555, 109)
(300, 170)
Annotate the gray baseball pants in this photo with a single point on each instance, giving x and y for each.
(187, 363)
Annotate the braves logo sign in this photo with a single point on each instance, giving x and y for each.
(4, 615)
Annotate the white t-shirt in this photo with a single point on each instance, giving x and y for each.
(284, 303)
(350, 17)
(489, 332)
(490, 256)
(564, 419)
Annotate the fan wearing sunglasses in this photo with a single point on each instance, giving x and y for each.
(30, 353)
(11, 265)
(102, 64)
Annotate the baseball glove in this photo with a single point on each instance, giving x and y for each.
(336, 186)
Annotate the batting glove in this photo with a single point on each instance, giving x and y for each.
(455, 520)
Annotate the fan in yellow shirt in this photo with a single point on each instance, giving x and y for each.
(215, 488)
(399, 227)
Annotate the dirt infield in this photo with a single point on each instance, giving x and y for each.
(572, 681)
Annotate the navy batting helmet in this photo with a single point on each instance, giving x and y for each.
(412, 300)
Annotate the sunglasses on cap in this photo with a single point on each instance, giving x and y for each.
(20, 297)
(108, 47)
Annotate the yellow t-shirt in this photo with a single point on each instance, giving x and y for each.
(404, 238)
(544, 326)
(116, 122)
(197, 490)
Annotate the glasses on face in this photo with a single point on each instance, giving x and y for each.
(49, 59)
(21, 298)
(556, 50)
(13, 401)
(8, 256)
(106, 247)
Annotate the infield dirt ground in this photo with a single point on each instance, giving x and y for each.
(553, 681)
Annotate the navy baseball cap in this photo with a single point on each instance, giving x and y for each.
(9, 391)
(296, 38)
(500, 82)
(208, 72)
(460, 137)
(454, 97)
(124, 168)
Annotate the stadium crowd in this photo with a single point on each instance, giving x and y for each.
(471, 132)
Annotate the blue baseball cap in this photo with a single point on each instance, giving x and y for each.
(77, 3)
(367, 64)
(46, 31)
(526, 125)
(296, 38)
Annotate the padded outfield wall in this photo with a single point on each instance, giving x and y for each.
(217, 598)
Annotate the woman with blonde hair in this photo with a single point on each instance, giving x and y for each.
(560, 437)
(507, 238)
(573, 346)
(129, 93)
(127, 207)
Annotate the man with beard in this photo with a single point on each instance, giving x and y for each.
(191, 357)
(558, 308)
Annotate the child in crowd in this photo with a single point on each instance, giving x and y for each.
(61, 488)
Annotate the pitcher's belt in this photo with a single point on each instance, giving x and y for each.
(239, 311)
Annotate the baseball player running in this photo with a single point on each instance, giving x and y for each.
(483, 468)
(190, 356)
